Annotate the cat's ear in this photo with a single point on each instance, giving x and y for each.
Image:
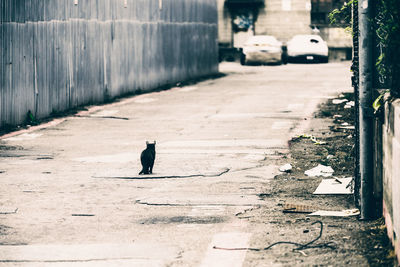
(154, 141)
(147, 142)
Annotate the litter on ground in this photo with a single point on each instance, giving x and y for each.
(311, 137)
(343, 213)
(320, 170)
(349, 104)
(338, 101)
(298, 208)
(350, 127)
(286, 168)
(337, 186)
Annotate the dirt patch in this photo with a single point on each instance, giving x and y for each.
(4, 230)
(7, 151)
(330, 141)
(10, 148)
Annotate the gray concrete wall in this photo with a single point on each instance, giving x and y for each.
(224, 24)
(60, 54)
(391, 171)
(284, 18)
(281, 18)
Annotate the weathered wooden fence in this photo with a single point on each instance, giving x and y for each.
(57, 55)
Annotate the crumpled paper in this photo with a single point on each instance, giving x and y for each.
(320, 170)
(286, 168)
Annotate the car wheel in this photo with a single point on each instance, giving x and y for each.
(242, 59)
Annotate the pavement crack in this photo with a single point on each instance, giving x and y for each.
(141, 202)
(163, 177)
(249, 168)
(65, 261)
(102, 117)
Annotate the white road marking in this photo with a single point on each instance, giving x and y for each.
(228, 258)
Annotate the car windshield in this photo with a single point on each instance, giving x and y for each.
(262, 40)
(306, 38)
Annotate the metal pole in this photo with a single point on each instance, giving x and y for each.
(365, 109)
(355, 82)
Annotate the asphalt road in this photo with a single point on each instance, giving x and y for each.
(71, 194)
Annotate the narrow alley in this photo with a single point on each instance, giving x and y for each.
(74, 185)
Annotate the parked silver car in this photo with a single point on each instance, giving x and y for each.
(307, 48)
(261, 49)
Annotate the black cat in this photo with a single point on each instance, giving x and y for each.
(147, 158)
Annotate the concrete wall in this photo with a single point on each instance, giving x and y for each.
(391, 171)
(284, 18)
(60, 54)
(340, 42)
(224, 24)
(281, 18)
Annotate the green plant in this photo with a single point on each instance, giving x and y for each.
(387, 21)
(343, 16)
(379, 101)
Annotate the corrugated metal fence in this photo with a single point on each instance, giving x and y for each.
(56, 55)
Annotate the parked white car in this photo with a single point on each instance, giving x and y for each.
(307, 48)
(261, 49)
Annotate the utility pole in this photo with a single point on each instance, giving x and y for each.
(366, 115)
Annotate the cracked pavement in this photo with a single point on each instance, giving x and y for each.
(81, 201)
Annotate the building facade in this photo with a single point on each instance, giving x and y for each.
(239, 19)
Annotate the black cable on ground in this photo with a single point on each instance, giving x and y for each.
(298, 245)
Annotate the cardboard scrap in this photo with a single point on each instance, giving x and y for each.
(343, 213)
(336, 186)
(298, 208)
